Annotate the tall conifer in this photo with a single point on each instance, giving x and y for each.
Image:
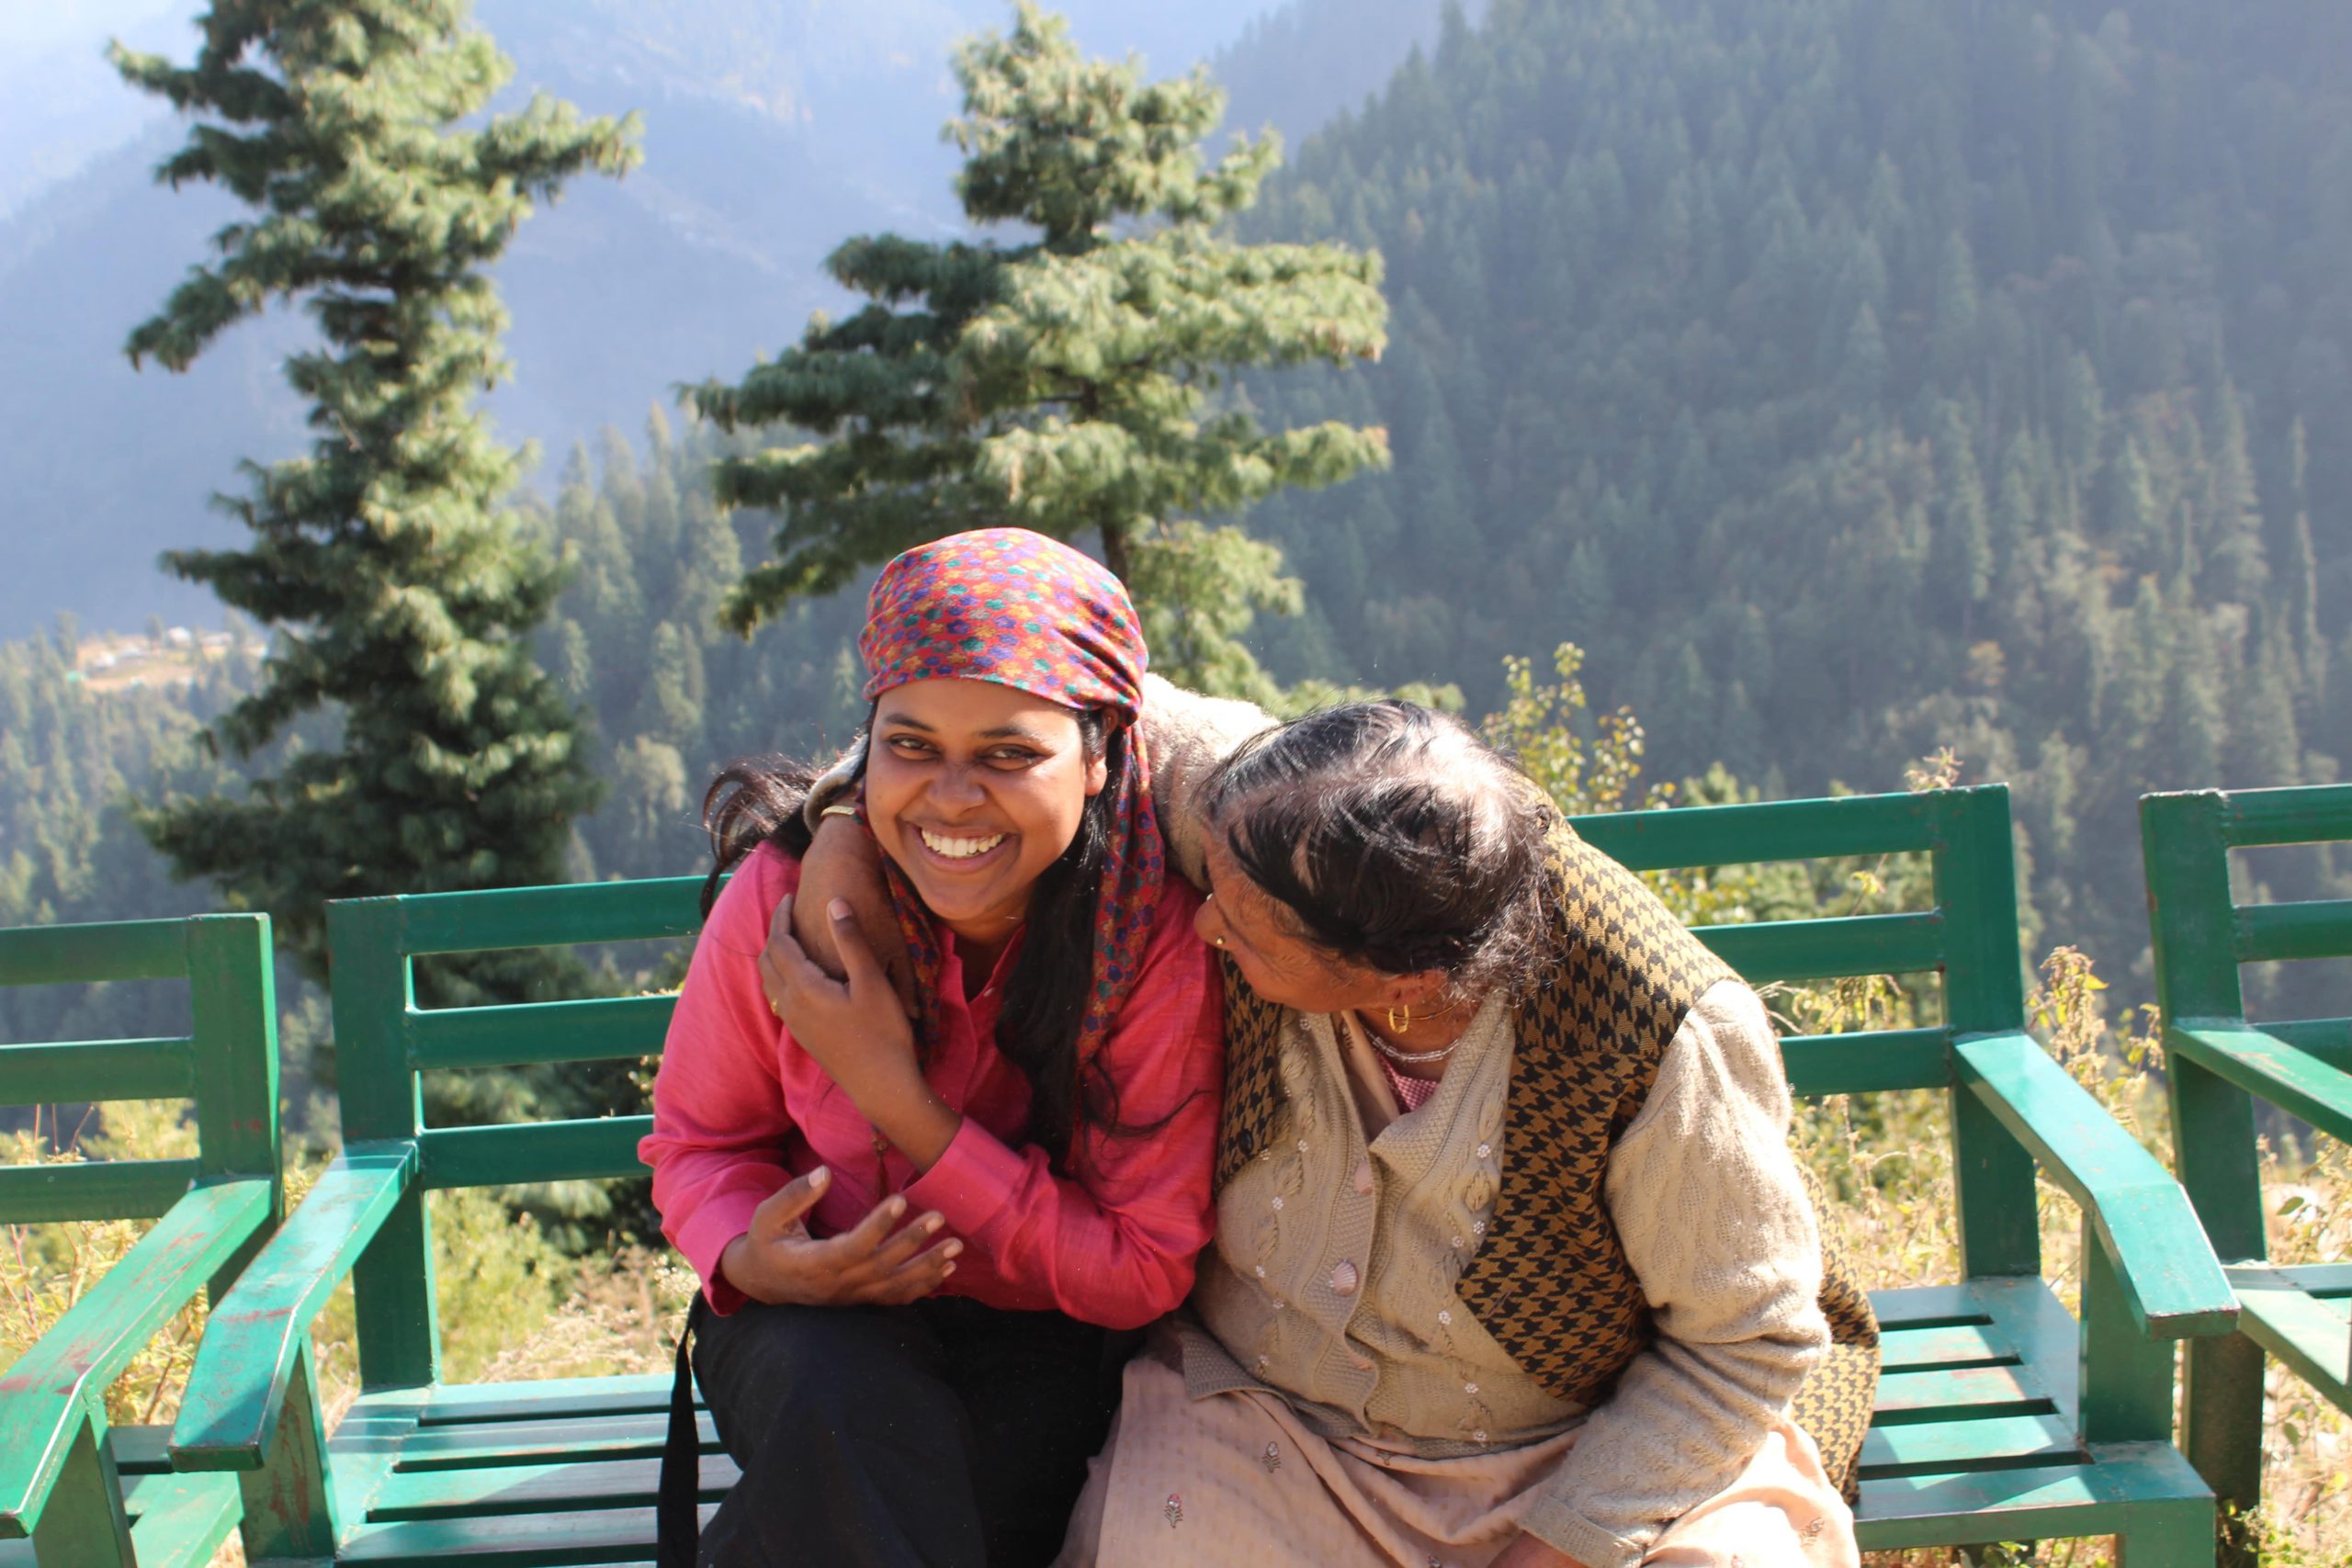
(402, 588)
(1062, 382)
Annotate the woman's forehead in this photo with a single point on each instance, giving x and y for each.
(951, 705)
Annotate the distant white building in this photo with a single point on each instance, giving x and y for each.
(180, 637)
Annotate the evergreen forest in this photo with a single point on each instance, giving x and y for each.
(1853, 380)
(1848, 381)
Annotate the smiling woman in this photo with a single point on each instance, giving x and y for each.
(974, 791)
(913, 1225)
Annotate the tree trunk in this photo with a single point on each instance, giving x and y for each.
(1114, 549)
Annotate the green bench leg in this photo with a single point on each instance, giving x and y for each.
(84, 1526)
(2221, 1397)
(2176, 1546)
(289, 1503)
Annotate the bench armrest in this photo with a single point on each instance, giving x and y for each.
(2171, 1281)
(237, 1389)
(56, 1388)
(2268, 1068)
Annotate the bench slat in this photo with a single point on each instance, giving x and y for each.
(1957, 1345)
(480, 1444)
(1942, 1448)
(2328, 1039)
(1947, 1395)
(563, 916)
(526, 1540)
(521, 1401)
(1868, 1063)
(1765, 831)
(1829, 948)
(94, 1189)
(593, 1029)
(141, 1451)
(2309, 1332)
(73, 1070)
(531, 1151)
(89, 954)
(563, 1486)
(179, 1521)
(2305, 814)
(2320, 927)
(2139, 1486)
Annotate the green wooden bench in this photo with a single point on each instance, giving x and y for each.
(2220, 1064)
(2000, 1418)
(74, 1492)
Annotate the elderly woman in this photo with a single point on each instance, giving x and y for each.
(1512, 1264)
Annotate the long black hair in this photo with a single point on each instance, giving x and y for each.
(1394, 838)
(758, 800)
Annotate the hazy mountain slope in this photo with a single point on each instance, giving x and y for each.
(774, 129)
(61, 104)
(1297, 67)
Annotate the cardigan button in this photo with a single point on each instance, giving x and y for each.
(1344, 1278)
(1248, 1140)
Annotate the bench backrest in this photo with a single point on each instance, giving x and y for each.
(1967, 943)
(2202, 936)
(227, 1063)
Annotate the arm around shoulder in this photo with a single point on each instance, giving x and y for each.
(1187, 735)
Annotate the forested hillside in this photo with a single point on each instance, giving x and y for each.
(1855, 379)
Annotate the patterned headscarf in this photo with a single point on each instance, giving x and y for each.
(1014, 607)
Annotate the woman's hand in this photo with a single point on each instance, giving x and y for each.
(844, 863)
(858, 1032)
(778, 1262)
(1527, 1552)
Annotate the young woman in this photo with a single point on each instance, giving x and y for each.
(914, 1229)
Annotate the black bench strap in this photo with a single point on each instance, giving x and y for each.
(678, 1523)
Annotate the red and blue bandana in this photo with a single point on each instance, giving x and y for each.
(1024, 611)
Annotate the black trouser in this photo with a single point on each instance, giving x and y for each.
(941, 1435)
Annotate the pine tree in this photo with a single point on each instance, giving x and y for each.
(405, 594)
(1062, 382)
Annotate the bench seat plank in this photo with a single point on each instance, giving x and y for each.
(1943, 1448)
(560, 1486)
(1943, 1347)
(2130, 1485)
(181, 1519)
(1968, 1391)
(523, 1401)
(526, 1540)
(537, 1442)
(2311, 1333)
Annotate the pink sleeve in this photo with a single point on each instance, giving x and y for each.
(719, 1123)
(1118, 1249)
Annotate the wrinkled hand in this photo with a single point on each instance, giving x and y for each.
(844, 862)
(1527, 1552)
(876, 1263)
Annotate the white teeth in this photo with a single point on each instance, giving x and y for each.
(958, 848)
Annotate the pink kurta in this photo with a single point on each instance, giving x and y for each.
(738, 1109)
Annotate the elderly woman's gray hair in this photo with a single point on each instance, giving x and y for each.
(1394, 838)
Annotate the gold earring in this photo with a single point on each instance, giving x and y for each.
(1401, 1019)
